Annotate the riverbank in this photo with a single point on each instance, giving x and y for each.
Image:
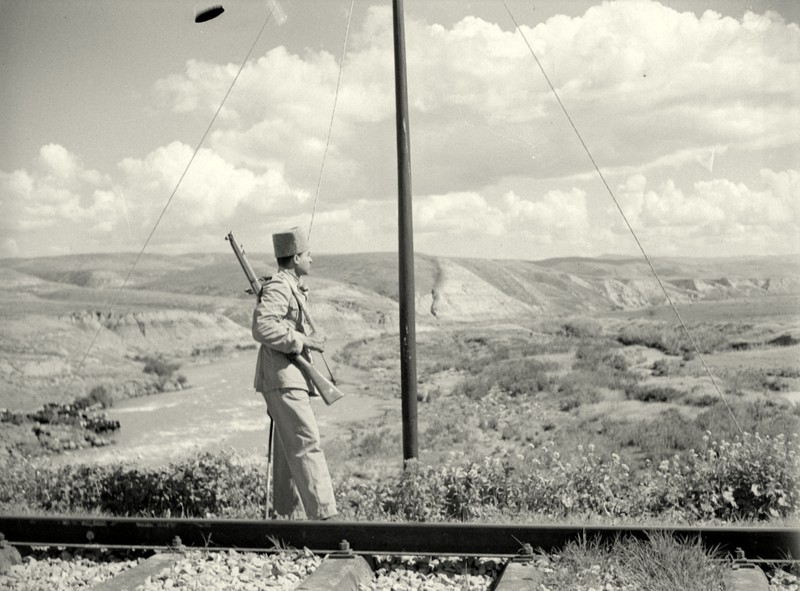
(220, 410)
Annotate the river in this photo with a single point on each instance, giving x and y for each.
(220, 410)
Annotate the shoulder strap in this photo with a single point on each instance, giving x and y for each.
(299, 300)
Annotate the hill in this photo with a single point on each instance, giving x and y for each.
(452, 288)
(193, 305)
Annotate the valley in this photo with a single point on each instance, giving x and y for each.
(511, 353)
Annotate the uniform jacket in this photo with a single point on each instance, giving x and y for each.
(278, 326)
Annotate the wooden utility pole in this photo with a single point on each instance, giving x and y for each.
(408, 338)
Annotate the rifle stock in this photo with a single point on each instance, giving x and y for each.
(325, 387)
(327, 390)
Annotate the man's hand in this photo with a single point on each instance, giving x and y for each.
(315, 343)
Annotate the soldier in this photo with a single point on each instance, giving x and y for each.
(301, 476)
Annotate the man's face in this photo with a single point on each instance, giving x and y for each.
(303, 263)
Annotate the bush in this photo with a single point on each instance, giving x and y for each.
(652, 393)
(160, 367)
(516, 377)
(203, 486)
(672, 339)
(666, 367)
(766, 416)
(582, 328)
(596, 355)
(670, 431)
(99, 395)
(752, 477)
(578, 388)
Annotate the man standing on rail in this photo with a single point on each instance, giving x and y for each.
(301, 477)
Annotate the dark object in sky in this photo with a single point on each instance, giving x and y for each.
(209, 13)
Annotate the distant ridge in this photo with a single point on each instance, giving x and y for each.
(448, 288)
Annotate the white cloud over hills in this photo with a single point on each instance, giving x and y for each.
(693, 120)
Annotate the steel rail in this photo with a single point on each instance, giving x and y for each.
(462, 539)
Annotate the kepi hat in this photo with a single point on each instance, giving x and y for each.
(289, 243)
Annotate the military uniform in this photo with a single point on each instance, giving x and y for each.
(300, 471)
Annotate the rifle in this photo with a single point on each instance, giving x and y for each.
(326, 388)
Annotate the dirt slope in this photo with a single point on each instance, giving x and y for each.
(194, 305)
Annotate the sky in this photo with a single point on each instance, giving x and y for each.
(690, 109)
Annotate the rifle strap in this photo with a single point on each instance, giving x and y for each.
(305, 317)
(304, 313)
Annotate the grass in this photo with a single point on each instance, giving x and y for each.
(672, 339)
(653, 393)
(518, 389)
(512, 394)
(660, 563)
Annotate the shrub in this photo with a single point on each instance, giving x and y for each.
(373, 442)
(473, 388)
(705, 399)
(160, 367)
(670, 431)
(595, 355)
(653, 393)
(99, 395)
(672, 339)
(202, 486)
(582, 328)
(755, 477)
(752, 477)
(521, 377)
(665, 367)
(516, 377)
(743, 380)
(577, 388)
(597, 365)
(766, 416)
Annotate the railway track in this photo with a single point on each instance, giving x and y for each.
(347, 544)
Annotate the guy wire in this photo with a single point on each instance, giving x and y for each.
(625, 218)
(169, 200)
(333, 113)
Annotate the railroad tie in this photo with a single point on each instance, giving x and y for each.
(132, 578)
(518, 576)
(746, 577)
(342, 570)
(9, 556)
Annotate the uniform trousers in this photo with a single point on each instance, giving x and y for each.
(300, 471)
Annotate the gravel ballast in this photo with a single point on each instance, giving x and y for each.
(67, 570)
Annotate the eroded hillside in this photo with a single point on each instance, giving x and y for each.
(59, 327)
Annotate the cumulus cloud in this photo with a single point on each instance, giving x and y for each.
(647, 85)
(470, 224)
(211, 190)
(57, 160)
(63, 198)
(658, 96)
(58, 191)
(718, 214)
